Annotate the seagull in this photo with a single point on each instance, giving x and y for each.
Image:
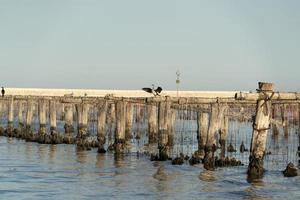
(2, 91)
(153, 91)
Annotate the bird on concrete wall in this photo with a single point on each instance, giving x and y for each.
(153, 91)
(2, 91)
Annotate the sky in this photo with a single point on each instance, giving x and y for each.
(118, 44)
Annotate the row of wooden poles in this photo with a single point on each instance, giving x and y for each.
(161, 123)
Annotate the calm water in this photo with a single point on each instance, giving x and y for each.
(37, 171)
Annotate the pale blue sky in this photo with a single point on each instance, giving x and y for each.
(129, 44)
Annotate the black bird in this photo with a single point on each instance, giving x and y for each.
(153, 91)
(2, 91)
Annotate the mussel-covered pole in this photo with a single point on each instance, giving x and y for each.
(129, 120)
(223, 135)
(55, 139)
(42, 119)
(101, 126)
(20, 128)
(216, 116)
(261, 126)
(82, 116)
(299, 134)
(163, 134)
(152, 123)
(69, 128)
(10, 123)
(202, 123)
(28, 132)
(171, 126)
(120, 127)
(284, 118)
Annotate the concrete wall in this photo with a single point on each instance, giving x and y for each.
(116, 93)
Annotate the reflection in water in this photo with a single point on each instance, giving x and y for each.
(28, 150)
(163, 181)
(82, 156)
(119, 160)
(41, 150)
(161, 174)
(100, 159)
(207, 176)
(250, 191)
(52, 152)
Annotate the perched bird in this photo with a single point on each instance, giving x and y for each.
(153, 91)
(2, 91)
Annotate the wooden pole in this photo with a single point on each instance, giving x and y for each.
(111, 120)
(21, 126)
(163, 115)
(129, 120)
(82, 117)
(202, 123)
(55, 138)
(261, 126)
(171, 127)
(69, 128)
(217, 114)
(10, 124)
(223, 136)
(101, 126)
(152, 123)
(120, 127)
(28, 133)
(42, 120)
(284, 119)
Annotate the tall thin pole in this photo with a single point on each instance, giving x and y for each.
(177, 81)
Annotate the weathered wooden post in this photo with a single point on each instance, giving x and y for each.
(10, 123)
(223, 135)
(42, 119)
(21, 126)
(217, 114)
(120, 127)
(171, 126)
(28, 132)
(111, 120)
(1, 113)
(202, 123)
(129, 120)
(101, 126)
(69, 128)
(152, 123)
(261, 125)
(55, 138)
(82, 116)
(163, 115)
(284, 118)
